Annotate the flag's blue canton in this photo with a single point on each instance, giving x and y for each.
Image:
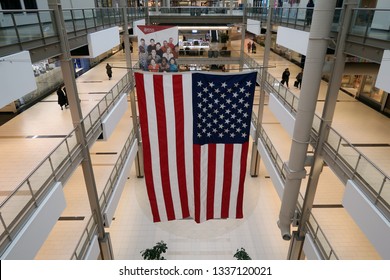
(222, 107)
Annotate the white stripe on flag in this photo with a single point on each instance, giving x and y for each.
(171, 143)
(154, 147)
(203, 181)
(219, 173)
(188, 142)
(235, 179)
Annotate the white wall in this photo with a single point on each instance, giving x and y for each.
(383, 81)
(374, 225)
(292, 39)
(14, 68)
(253, 26)
(102, 41)
(381, 19)
(77, 4)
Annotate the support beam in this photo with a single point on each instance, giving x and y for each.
(296, 250)
(316, 52)
(139, 165)
(77, 117)
(255, 160)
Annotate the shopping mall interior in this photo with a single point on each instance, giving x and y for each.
(317, 184)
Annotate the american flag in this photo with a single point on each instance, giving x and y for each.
(195, 133)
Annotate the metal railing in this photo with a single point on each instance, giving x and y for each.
(118, 167)
(290, 17)
(27, 196)
(317, 233)
(21, 26)
(85, 240)
(195, 11)
(90, 230)
(370, 24)
(364, 171)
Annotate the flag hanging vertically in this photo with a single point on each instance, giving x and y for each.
(195, 132)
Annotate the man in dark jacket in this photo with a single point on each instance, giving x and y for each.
(285, 77)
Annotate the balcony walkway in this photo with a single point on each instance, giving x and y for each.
(29, 137)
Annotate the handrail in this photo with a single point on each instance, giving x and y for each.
(35, 185)
(313, 227)
(369, 175)
(41, 24)
(318, 234)
(46, 172)
(113, 178)
(85, 240)
(376, 181)
(86, 237)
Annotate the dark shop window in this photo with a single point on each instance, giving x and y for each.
(30, 4)
(10, 4)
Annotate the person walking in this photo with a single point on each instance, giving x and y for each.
(253, 47)
(285, 77)
(62, 98)
(109, 71)
(249, 45)
(298, 82)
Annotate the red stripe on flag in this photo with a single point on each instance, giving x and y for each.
(211, 167)
(196, 161)
(163, 145)
(240, 195)
(180, 152)
(146, 146)
(227, 180)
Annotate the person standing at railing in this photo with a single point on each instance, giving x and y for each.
(309, 12)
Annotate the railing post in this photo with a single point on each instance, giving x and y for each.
(67, 68)
(328, 111)
(255, 158)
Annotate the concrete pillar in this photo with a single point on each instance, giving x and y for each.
(77, 117)
(316, 51)
(296, 245)
(138, 162)
(255, 159)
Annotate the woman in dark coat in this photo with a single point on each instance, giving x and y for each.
(109, 71)
(62, 98)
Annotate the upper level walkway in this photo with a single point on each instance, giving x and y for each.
(35, 30)
(29, 137)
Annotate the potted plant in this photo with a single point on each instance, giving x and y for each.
(156, 252)
(242, 255)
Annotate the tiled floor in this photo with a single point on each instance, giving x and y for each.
(132, 229)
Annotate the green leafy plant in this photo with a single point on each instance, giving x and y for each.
(156, 252)
(242, 255)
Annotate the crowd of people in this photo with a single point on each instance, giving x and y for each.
(157, 57)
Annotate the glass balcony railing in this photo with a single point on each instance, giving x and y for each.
(20, 26)
(26, 197)
(195, 11)
(371, 24)
(289, 17)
